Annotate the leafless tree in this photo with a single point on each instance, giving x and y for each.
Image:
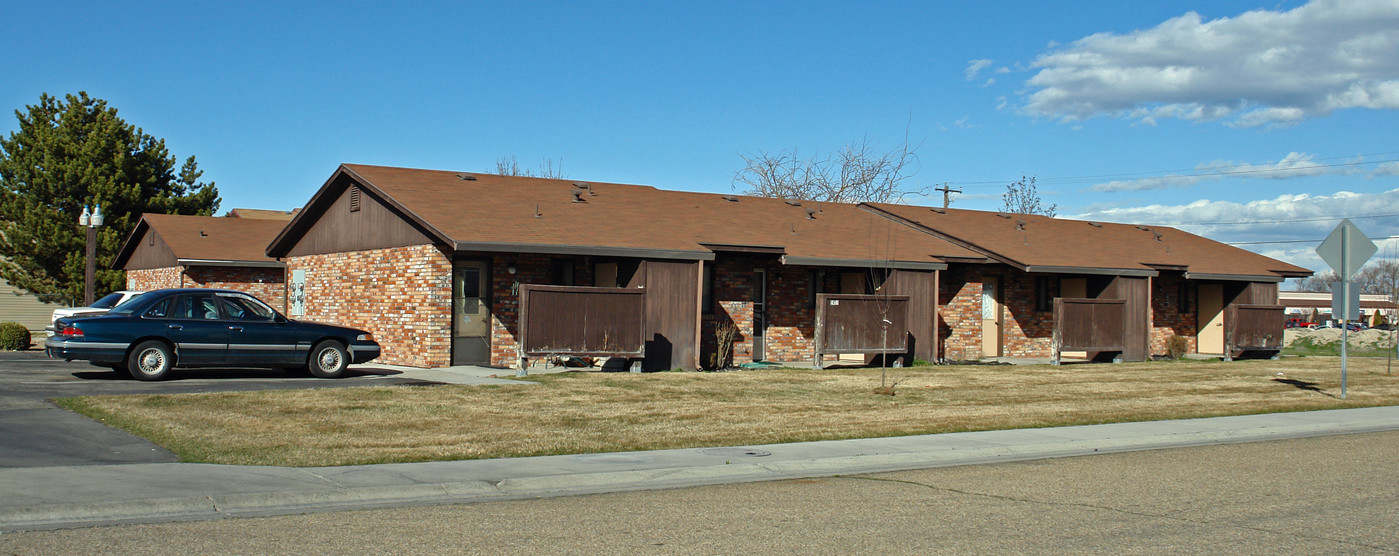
(508, 166)
(1381, 277)
(1022, 197)
(858, 172)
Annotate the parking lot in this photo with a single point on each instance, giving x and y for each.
(34, 432)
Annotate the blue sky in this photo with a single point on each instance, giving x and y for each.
(1240, 121)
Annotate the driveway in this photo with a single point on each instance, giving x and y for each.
(36, 433)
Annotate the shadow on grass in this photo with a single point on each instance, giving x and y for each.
(1303, 385)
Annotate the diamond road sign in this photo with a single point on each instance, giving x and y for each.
(1346, 249)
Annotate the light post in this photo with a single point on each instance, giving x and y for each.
(90, 220)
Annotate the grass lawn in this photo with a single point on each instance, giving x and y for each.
(605, 412)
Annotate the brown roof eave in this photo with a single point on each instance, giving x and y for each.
(244, 264)
(1091, 270)
(863, 263)
(595, 250)
(1232, 277)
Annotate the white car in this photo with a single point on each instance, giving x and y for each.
(98, 307)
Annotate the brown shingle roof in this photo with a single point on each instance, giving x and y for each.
(263, 214)
(208, 238)
(502, 209)
(1039, 241)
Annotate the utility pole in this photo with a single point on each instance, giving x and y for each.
(946, 194)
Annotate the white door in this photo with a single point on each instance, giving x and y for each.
(1210, 319)
(991, 317)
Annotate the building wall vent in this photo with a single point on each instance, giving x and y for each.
(354, 198)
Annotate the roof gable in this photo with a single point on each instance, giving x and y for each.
(170, 239)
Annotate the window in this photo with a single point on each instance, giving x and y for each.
(159, 310)
(1044, 300)
(245, 308)
(561, 272)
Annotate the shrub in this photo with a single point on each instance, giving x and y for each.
(1177, 346)
(13, 336)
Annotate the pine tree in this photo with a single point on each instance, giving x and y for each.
(73, 153)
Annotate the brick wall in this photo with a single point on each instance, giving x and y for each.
(402, 295)
(1172, 315)
(267, 284)
(148, 279)
(959, 306)
(1026, 332)
(791, 326)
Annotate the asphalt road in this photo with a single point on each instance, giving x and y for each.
(1334, 494)
(36, 433)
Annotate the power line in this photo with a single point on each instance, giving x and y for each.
(1238, 169)
(1298, 241)
(1245, 222)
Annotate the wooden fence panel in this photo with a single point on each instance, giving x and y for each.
(849, 323)
(1089, 325)
(1253, 328)
(569, 320)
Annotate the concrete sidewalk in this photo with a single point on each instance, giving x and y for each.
(58, 497)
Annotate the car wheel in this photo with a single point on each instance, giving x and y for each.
(329, 360)
(150, 360)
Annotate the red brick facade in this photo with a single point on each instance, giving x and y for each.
(267, 284)
(1172, 313)
(403, 295)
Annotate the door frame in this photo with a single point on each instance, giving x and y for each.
(1212, 327)
(998, 318)
(487, 300)
(760, 310)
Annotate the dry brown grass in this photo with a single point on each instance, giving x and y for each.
(603, 412)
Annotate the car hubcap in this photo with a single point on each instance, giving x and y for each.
(152, 360)
(330, 360)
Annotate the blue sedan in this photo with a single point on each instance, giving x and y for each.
(152, 333)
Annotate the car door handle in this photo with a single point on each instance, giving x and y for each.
(176, 327)
(236, 328)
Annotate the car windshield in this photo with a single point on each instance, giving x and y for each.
(108, 301)
(131, 304)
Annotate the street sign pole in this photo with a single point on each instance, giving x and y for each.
(1345, 252)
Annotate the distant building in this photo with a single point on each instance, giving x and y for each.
(1299, 304)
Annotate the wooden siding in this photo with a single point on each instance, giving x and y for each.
(374, 226)
(573, 320)
(672, 314)
(921, 287)
(151, 252)
(26, 309)
(1136, 292)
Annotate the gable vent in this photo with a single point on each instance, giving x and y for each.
(354, 198)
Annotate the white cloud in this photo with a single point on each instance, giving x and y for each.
(1386, 169)
(974, 68)
(1294, 165)
(1261, 68)
(1306, 219)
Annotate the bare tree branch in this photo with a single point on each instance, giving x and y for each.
(509, 166)
(855, 173)
(1023, 198)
